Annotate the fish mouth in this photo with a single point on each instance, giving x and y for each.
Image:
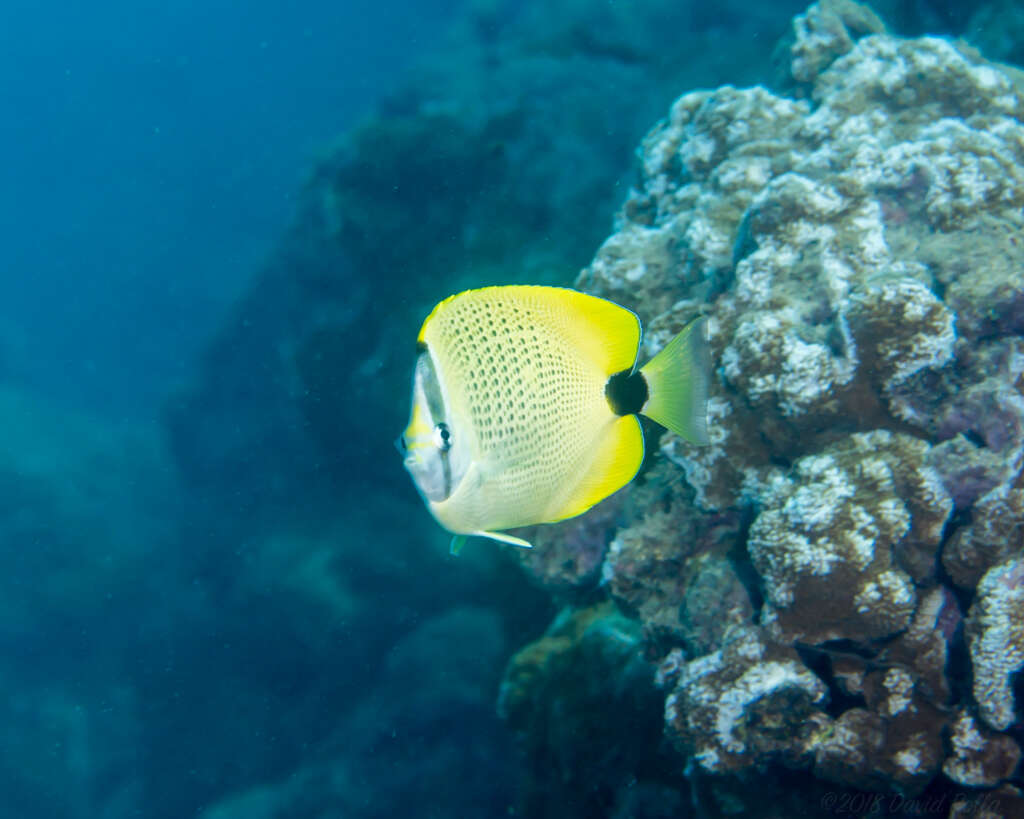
(411, 459)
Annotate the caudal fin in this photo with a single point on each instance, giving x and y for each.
(677, 383)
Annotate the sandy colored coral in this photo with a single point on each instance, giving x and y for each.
(979, 756)
(825, 31)
(924, 648)
(750, 702)
(829, 539)
(665, 570)
(996, 533)
(995, 633)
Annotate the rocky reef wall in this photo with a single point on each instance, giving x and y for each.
(831, 591)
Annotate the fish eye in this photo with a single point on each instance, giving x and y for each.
(400, 444)
(443, 437)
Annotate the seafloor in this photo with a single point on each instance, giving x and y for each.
(819, 614)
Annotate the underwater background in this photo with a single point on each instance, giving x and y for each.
(220, 595)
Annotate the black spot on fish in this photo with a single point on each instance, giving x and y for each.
(626, 392)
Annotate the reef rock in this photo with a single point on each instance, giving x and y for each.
(823, 235)
(748, 703)
(581, 688)
(996, 533)
(854, 241)
(925, 648)
(1006, 801)
(825, 31)
(980, 757)
(977, 410)
(670, 569)
(893, 743)
(995, 636)
(828, 541)
(566, 561)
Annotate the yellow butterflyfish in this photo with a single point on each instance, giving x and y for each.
(525, 402)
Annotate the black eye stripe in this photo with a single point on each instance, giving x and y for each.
(444, 444)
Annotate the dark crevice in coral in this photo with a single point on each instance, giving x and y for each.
(941, 793)
(960, 519)
(958, 667)
(820, 662)
(1017, 684)
(835, 339)
(958, 660)
(745, 243)
(975, 438)
(844, 646)
(739, 559)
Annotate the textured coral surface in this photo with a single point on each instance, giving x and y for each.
(855, 240)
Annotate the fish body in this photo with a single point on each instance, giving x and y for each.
(525, 400)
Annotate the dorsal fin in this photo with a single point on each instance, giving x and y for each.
(605, 333)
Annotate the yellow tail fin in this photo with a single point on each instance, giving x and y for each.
(677, 382)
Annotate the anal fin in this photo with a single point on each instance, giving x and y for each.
(459, 541)
(618, 456)
(501, 537)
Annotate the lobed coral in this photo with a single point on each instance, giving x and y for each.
(980, 757)
(995, 635)
(854, 241)
(838, 544)
(747, 703)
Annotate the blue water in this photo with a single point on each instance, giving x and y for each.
(151, 155)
